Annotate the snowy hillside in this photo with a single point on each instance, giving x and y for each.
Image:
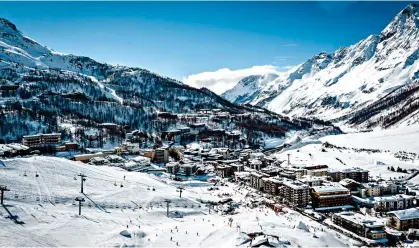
(352, 78)
(39, 211)
(397, 139)
(40, 87)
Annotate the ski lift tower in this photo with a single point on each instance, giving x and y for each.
(80, 200)
(167, 201)
(180, 190)
(3, 188)
(83, 178)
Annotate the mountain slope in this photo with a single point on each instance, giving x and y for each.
(245, 89)
(331, 86)
(40, 88)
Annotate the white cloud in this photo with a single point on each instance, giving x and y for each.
(225, 79)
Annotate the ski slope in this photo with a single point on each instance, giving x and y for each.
(396, 139)
(376, 163)
(54, 220)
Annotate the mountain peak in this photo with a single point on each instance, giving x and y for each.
(6, 24)
(410, 9)
(405, 20)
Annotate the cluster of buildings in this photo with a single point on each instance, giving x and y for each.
(337, 192)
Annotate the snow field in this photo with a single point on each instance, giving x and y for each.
(28, 222)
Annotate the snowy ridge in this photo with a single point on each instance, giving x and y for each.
(334, 85)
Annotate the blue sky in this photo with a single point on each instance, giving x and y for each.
(178, 39)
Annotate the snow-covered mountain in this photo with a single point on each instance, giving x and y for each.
(245, 89)
(51, 84)
(337, 85)
(40, 88)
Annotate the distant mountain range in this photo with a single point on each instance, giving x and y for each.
(373, 83)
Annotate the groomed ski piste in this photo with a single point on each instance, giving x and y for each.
(40, 211)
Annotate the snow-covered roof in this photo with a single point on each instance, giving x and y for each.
(140, 159)
(393, 198)
(361, 219)
(406, 214)
(296, 185)
(330, 188)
